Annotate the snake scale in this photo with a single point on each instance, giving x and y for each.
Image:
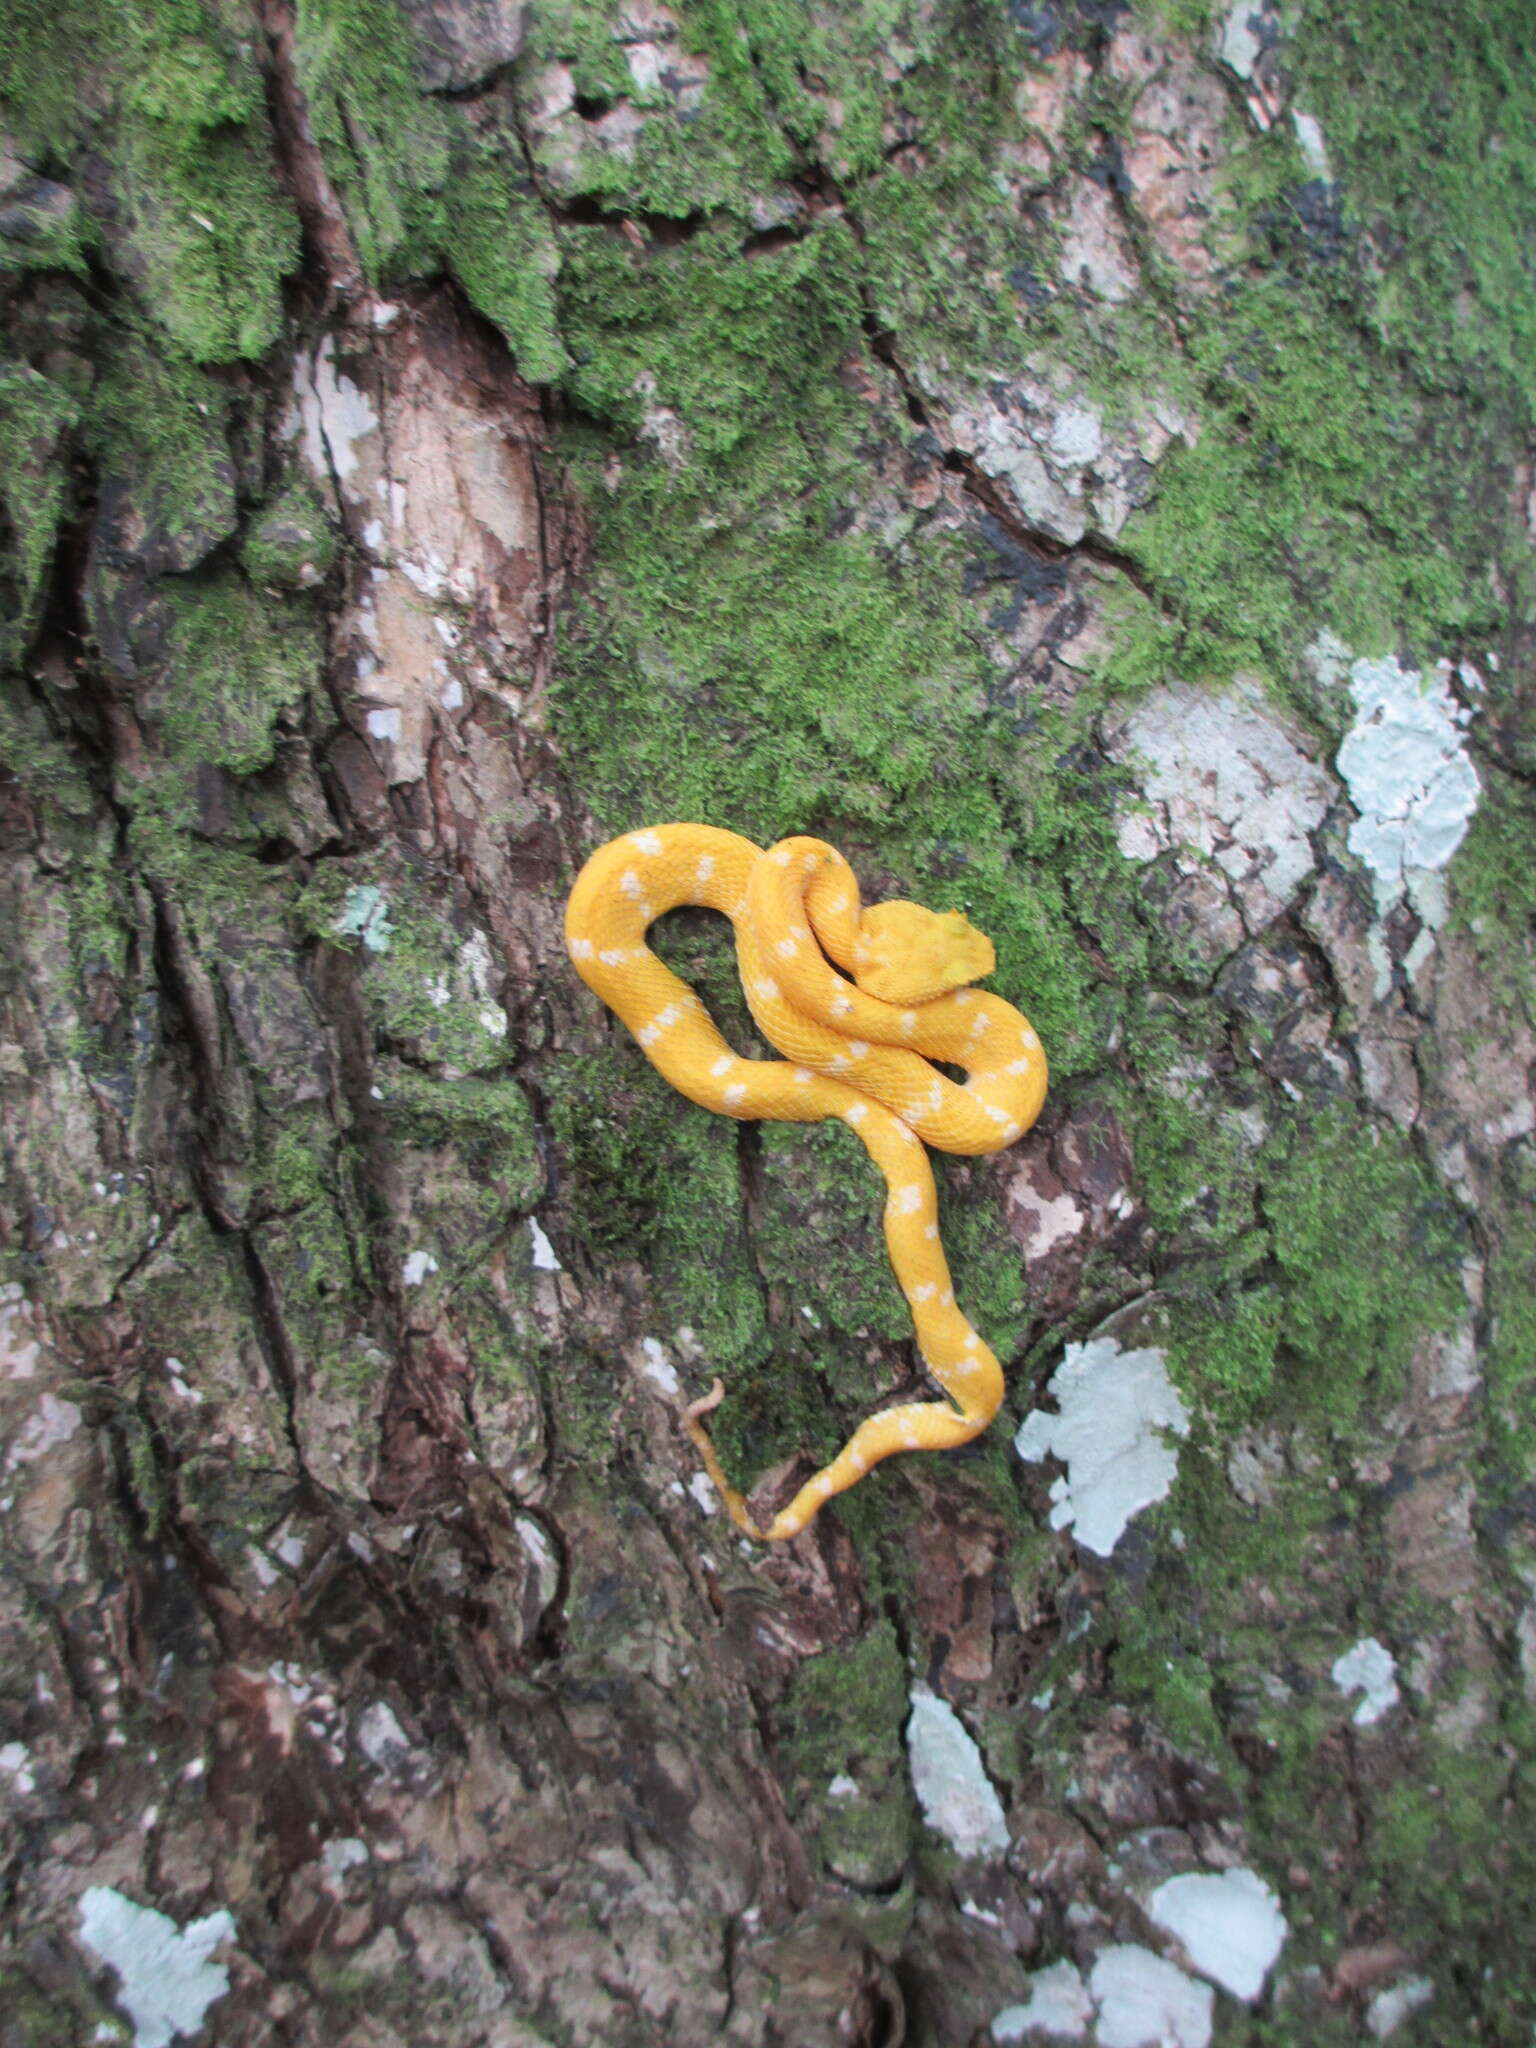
(857, 1049)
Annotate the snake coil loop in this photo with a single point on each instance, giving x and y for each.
(857, 1045)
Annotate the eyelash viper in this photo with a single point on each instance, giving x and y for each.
(857, 1050)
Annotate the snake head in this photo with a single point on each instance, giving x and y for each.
(906, 954)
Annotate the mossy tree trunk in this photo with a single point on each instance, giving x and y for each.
(1078, 459)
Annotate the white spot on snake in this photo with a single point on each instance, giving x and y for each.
(857, 1462)
(739, 907)
(907, 1201)
(1030, 1038)
(909, 1021)
(841, 1005)
(857, 1047)
(972, 1341)
(856, 1114)
(998, 1116)
(803, 1077)
(923, 1293)
(824, 1486)
(613, 956)
(932, 1231)
(662, 1021)
(736, 1092)
(947, 1298)
(767, 990)
(781, 856)
(965, 995)
(1018, 1067)
(629, 882)
(837, 1064)
(936, 1095)
(786, 949)
(982, 1023)
(910, 1439)
(705, 868)
(646, 842)
(723, 1065)
(581, 949)
(838, 905)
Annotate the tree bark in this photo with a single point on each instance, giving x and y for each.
(1078, 460)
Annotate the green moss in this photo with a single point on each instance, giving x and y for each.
(722, 339)
(386, 145)
(1430, 117)
(1493, 887)
(1194, 1165)
(649, 1176)
(290, 544)
(821, 1243)
(1369, 1250)
(309, 1230)
(1326, 486)
(174, 103)
(471, 1153)
(34, 415)
(1450, 1847)
(427, 984)
(1225, 1345)
(842, 1720)
(158, 429)
(502, 249)
(235, 665)
(1512, 1324)
(706, 155)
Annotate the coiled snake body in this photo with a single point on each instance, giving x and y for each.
(858, 1050)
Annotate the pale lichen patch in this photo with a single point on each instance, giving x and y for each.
(1370, 1669)
(958, 1799)
(1225, 785)
(1228, 1923)
(1117, 1409)
(1405, 762)
(167, 1981)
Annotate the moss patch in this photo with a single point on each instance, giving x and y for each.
(194, 219)
(841, 1752)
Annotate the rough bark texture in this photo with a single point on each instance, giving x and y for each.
(1077, 458)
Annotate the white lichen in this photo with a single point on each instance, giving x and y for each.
(334, 414)
(658, 1368)
(1229, 1924)
(957, 1797)
(52, 1422)
(1409, 777)
(544, 1260)
(365, 915)
(1116, 1410)
(1223, 781)
(1371, 1669)
(167, 1982)
(1388, 2009)
(1058, 2005)
(415, 1267)
(1144, 2001)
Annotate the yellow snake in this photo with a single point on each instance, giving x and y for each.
(857, 1050)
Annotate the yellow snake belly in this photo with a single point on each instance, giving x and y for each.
(858, 1049)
